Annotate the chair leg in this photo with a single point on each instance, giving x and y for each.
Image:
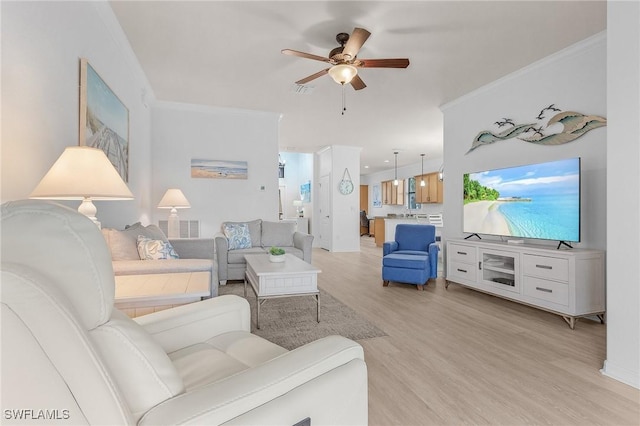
(385, 283)
(420, 287)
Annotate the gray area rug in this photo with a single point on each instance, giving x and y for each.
(291, 321)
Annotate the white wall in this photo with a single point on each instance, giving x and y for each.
(623, 188)
(42, 43)
(405, 172)
(182, 132)
(344, 209)
(574, 80)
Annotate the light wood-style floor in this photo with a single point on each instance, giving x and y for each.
(457, 356)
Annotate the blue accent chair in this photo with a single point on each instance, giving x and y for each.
(413, 257)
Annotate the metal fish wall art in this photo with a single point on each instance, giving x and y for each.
(574, 125)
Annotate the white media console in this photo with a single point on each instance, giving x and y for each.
(570, 283)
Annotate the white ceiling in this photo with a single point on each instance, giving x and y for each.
(228, 54)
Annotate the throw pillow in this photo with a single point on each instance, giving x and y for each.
(238, 235)
(255, 230)
(121, 245)
(124, 244)
(150, 231)
(149, 249)
(278, 234)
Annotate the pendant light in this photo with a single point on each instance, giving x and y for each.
(422, 176)
(395, 181)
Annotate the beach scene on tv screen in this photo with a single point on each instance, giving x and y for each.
(534, 201)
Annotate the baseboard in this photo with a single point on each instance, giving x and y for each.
(621, 374)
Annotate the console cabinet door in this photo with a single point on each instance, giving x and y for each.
(500, 269)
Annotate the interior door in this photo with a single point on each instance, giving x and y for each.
(325, 212)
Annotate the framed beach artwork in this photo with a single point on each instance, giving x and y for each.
(104, 119)
(305, 192)
(218, 169)
(377, 196)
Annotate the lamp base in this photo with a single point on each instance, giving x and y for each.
(89, 209)
(173, 225)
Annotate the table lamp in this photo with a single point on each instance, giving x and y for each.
(298, 204)
(173, 199)
(83, 173)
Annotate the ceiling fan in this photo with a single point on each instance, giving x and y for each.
(344, 61)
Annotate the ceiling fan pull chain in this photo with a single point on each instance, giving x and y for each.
(344, 101)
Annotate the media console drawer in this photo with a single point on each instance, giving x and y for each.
(552, 268)
(465, 271)
(551, 291)
(461, 253)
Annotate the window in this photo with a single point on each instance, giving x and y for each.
(411, 193)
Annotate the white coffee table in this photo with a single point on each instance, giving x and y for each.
(293, 277)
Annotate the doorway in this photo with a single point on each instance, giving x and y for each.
(325, 213)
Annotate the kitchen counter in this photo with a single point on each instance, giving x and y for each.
(391, 222)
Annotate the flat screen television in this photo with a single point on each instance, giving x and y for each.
(540, 201)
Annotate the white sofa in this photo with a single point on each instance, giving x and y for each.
(196, 254)
(67, 354)
(264, 235)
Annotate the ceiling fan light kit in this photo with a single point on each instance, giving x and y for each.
(343, 73)
(343, 60)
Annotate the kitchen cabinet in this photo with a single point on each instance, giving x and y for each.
(431, 192)
(378, 232)
(392, 194)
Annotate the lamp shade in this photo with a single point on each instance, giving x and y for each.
(343, 73)
(174, 199)
(82, 172)
(297, 203)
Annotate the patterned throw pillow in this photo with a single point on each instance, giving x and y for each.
(238, 235)
(149, 249)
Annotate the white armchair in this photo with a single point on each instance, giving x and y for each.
(68, 355)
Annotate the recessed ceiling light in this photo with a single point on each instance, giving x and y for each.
(386, 161)
(366, 167)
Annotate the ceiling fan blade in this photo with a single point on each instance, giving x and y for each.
(306, 55)
(357, 83)
(384, 63)
(355, 42)
(313, 76)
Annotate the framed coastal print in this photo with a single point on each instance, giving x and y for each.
(305, 192)
(377, 196)
(218, 169)
(104, 119)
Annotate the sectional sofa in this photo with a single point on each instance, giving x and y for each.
(262, 235)
(194, 255)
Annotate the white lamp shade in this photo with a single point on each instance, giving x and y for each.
(297, 203)
(343, 73)
(82, 172)
(174, 199)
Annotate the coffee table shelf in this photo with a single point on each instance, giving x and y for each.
(293, 277)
